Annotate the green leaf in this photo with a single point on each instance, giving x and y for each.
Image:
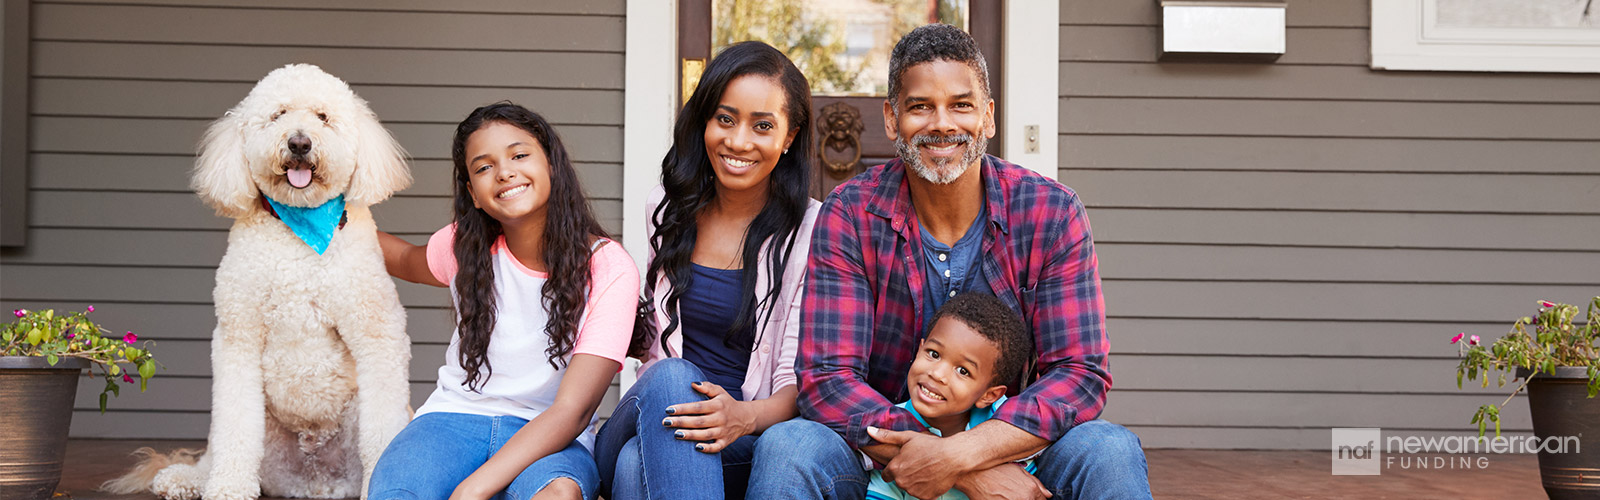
(102, 403)
(52, 359)
(34, 335)
(114, 370)
(147, 369)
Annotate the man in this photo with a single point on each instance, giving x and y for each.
(894, 243)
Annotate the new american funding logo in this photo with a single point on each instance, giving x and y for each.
(1365, 451)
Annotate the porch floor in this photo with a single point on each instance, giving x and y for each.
(1174, 474)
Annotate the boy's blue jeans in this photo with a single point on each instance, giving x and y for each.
(639, 458)
(804, 459)
(436, 451)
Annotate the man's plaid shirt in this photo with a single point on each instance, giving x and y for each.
(865, 292)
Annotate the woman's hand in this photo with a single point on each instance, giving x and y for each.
(714, 423)
(472, 488)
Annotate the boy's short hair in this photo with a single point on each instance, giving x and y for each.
(990, 317)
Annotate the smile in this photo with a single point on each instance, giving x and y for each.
(941, 149)
(511, 192)
(922, 389)
(732, 162)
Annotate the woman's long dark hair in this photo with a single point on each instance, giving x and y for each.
(568, 227)
(690, 185)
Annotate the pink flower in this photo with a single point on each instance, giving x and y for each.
(20, 312)
(1473, 340)
(126, 378)
(91, 308)
(130, 338)
(1457, 338)
(71, 334)
(1546, 303)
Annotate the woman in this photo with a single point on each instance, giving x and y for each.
(730, 231)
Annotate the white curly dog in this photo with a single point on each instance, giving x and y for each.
(310, 356)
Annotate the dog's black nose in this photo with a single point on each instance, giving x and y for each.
(299, 144)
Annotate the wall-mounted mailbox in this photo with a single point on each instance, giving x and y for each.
(1222, 30)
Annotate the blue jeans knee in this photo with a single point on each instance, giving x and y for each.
(800, 458)
(1095, 459)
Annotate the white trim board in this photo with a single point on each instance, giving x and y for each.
(649, 105)
(1405, 36)
(1030, 45)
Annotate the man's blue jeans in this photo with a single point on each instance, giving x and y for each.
(436, 451)
(639, 458)
(804, 459)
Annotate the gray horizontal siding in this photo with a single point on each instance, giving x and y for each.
(379, 29)
(587, 70)
(1092, 77)
(123, 90)
(1301, 13)
(1334, 154)
(1287, 247)
(544, 8)
(1310, 118)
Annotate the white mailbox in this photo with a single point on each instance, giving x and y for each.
(1222, 30)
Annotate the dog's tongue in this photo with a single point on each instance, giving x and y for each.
(299, 177)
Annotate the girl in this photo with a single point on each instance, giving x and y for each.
(731, 228)
(544, 305)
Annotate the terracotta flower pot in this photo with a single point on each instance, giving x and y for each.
(36, 407)
(1561, 407)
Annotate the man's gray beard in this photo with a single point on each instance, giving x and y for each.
(941, 172)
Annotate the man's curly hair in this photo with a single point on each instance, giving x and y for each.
(985, 314)
(935, 42)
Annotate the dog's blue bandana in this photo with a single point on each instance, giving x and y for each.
(314, 225)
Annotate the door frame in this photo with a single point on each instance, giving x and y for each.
(1030, 45)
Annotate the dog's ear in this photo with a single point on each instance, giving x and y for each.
(221, 173)
(380, 163)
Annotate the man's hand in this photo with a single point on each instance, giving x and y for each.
(1004, 482)
(924, 468)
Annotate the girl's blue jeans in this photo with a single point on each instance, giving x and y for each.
(436, 451)
(639, 458)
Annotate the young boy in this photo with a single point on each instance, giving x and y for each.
(976, 349)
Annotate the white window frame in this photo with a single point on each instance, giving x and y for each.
(1406, 36)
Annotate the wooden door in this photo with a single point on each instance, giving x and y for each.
(843, 47)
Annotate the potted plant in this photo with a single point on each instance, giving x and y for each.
(41, 355)
(1559, 363)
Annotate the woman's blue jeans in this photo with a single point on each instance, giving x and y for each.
(804, 459)
(436, 451)
(639, 458)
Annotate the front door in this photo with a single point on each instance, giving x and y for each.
(843, 48)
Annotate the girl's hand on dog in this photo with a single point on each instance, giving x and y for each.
(714, 423)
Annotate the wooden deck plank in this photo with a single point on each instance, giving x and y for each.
(1174, 474)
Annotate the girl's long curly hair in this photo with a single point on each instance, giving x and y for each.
(569, 226)
(690, 185)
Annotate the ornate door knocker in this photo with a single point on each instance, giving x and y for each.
(840, 128)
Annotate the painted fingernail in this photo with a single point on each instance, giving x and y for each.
(678, 434)
(671, 410)
(666, 422)
(699, 447)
